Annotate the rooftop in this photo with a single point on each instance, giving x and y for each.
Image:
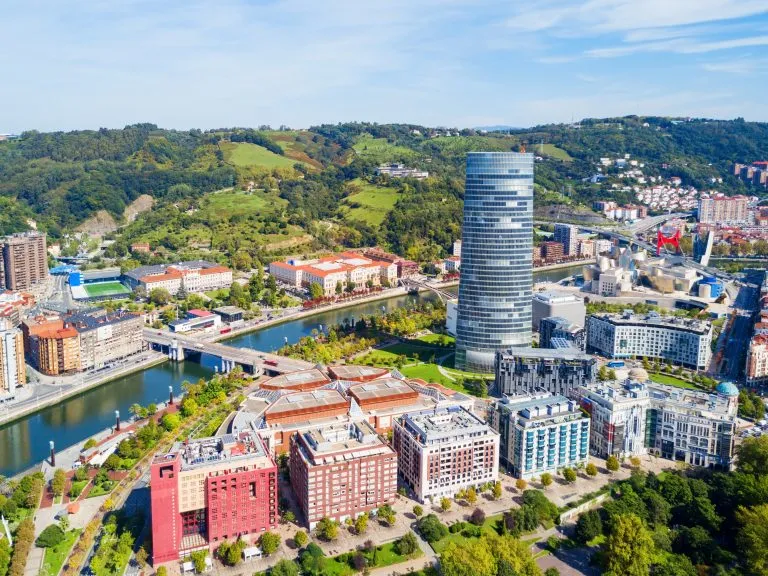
(540, 407)
(215, 450)
(342, 442)
(444, 424)
(301, 379)
(381, 389)
(356, 373)
(96, 318)
(653, 318)
(554, 297)
(569, 353)
(303, 401)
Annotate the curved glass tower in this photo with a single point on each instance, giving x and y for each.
(495, 288)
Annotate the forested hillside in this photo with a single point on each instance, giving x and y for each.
(281, 191)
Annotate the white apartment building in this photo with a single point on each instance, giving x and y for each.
(724, 210)
(540, 433)
(757, 359)
(618, 411)
(445, 450)
(677, 340)
(563, 304)
(328, 272)
(457, 248)
(194, 277)
(12, 366)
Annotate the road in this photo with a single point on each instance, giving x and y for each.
(736, 342)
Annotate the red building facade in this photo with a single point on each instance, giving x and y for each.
(211, 490)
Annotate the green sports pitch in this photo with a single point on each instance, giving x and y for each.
(103, 289)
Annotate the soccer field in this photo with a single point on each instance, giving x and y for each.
(101, 289)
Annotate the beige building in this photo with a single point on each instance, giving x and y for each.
(724, 210)
(12, 367)
(107, 336)
(23, 260)
(193, 277)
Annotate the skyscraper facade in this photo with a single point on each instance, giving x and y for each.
(23, 260)
(495, 289)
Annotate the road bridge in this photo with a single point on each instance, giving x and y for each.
(412, 284)
(178, 346)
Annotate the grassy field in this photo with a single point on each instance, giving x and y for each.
(55, 557)
(437, 339)
(672, 381)
(101, 489)
(247, 154)
(381, 150)
(370, 203)
(463, 144)
(105, 289)
(553, 152)
(229, 203)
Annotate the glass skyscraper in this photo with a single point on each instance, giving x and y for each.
(495, 289)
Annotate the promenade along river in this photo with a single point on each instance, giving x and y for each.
(24, 443)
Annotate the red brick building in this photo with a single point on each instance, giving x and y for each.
(341, 471)
(210, 490)
(552, 251)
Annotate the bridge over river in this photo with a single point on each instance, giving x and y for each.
(178, 346)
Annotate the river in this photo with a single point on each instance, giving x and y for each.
(25, 442)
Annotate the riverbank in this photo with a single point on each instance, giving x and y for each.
(56, 393)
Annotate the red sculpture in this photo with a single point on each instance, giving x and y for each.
(668, 235)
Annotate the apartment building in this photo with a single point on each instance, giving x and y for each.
(209, 490)
(757, 360)
(445, 450)
(677, 340)
(193, 277)
(23, 260)
(552, 251)
(106, 336)
(552, 303)
(568, 236)
(12, 367)
(724, 210)
(57, 350)
(523, 371)
(339, 270)
(12, 304)
(341, 470)
(540, 433)
(619, 412)
(557, 327)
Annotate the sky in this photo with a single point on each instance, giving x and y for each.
(77, 64)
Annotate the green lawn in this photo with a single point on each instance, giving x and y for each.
(380, 150)
(430, 373)
(553, 152)
(105, 289)
(55, 557)
(437, 339)
(247, 154)
(672, 381)
(77, 488)
(489, 527)
(238, 203)
(101, 489)
(370, 203)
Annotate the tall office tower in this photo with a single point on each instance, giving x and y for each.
(496, 258)
(12, 367)
(23, 260)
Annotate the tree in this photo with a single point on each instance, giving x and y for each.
(551, 571)
(659, 510)
(753, 456)
(170, 422)
(284, 568)
(142, 556)
(51, 536)
(361, 524)
(269, 542)
(612, 463)
(521, 484)
(602, 373)
(634, 461)
(471, 495)
(591, 469)
(300, 538)
(316, 291)
(546, 479)
(159, 296)
(313, 560)
(288, 516)
(58, 482)
(418, 511)
(407, 545)
(386, 513)
(569, 474)
(161, 571)
(588, 526)
(242, 260)
(752, 537)
(676, 565)
(469, 558)
(189, 407)
(198, 559)
(339, 288)
(696, 543)
(327, 529)
(478, 517)
(90, 443)
(629, 547)
(497, 490)
(432, 529)
(445, 504)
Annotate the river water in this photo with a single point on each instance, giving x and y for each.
(25, 442)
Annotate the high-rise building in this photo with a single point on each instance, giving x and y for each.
(209, 490)
(445, 450)
(23, 260)
(540, 433)
(567, 235)
(341, 470)
(556, 327)
(12, 367)
(530, 370)
(724, 210)
(496, 258)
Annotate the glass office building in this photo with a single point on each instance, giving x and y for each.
(495, 289)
